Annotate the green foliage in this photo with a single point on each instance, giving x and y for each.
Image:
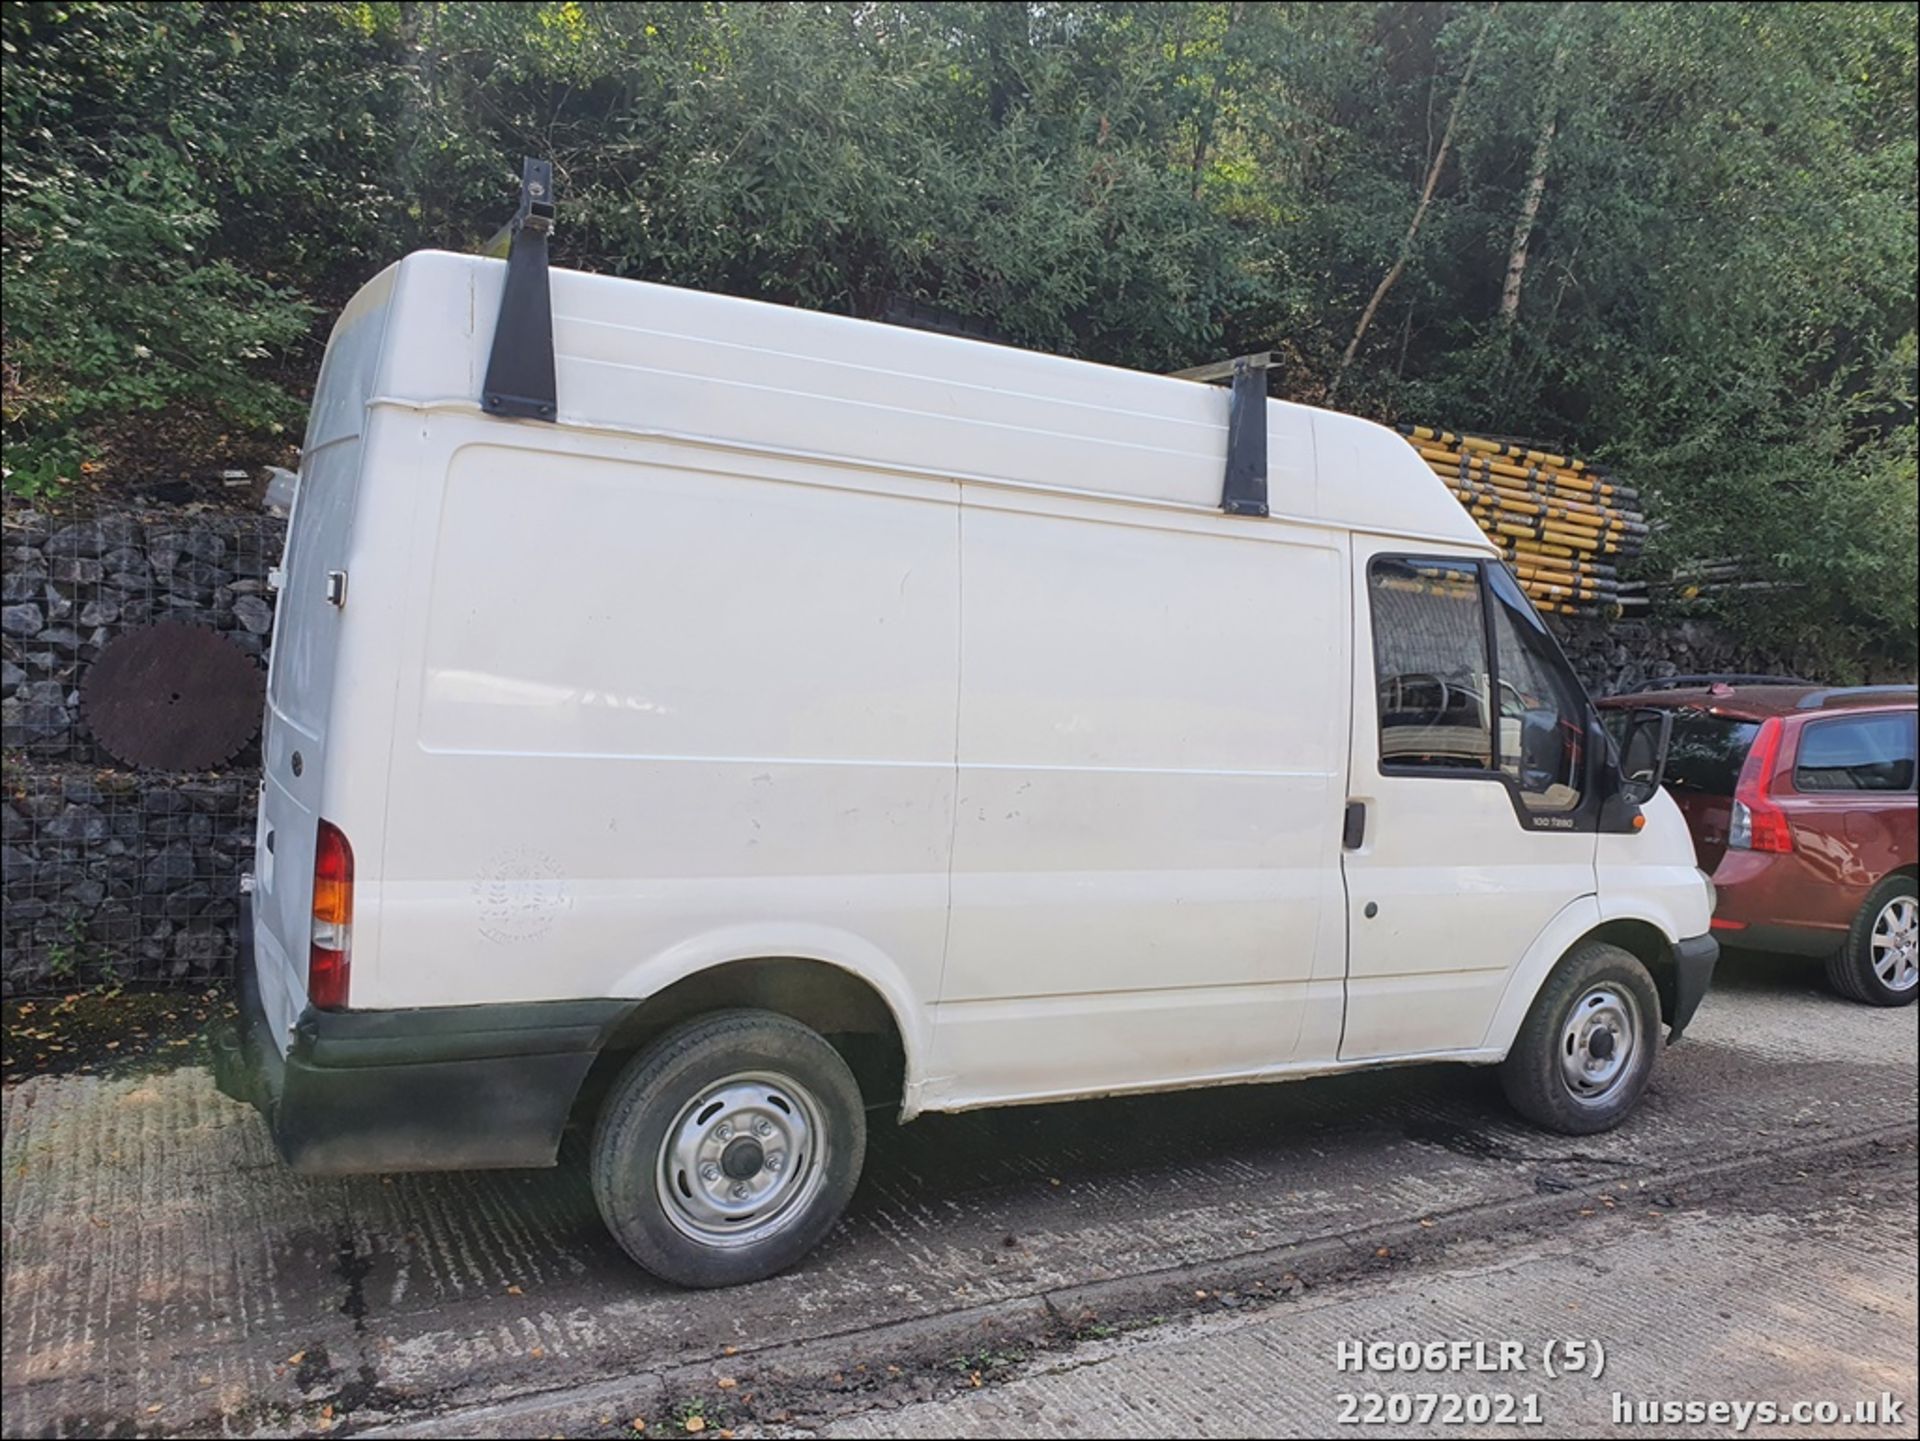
(1717, 292)
(112, 312)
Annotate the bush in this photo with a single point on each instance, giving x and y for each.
(115, 313)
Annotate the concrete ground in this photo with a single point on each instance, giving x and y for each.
(1184, 1264)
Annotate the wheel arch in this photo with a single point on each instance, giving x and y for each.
(1648, 939)
(848, 1008)
(1652, 947)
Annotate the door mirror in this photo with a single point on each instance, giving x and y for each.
(1643, 753)
(1542, 749)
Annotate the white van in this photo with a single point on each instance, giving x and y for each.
(785, 716)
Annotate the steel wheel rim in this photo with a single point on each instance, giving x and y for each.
(1891, 947)
(1599, 1044)
(742, 1159)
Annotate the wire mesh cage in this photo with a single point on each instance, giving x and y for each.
(120, 866)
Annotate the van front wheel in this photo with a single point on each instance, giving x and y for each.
(728, 1148)
(1586, 1051)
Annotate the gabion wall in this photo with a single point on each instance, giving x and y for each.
(113, 873)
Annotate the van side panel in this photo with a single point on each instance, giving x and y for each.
(662, 694)
(1152, 752)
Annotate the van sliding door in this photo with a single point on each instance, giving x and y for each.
(1152, 748)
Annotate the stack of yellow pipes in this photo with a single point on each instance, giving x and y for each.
(1563, 524)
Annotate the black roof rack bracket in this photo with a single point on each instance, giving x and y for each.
(1246, 488)
(520, 366)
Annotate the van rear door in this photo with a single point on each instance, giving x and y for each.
(301, 677)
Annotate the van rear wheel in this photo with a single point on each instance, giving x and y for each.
(728, 1148)
(1586, 1051)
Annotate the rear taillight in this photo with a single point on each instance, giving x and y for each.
(330, 956)
(1758, 824)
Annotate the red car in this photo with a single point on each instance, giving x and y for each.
(1801, 802)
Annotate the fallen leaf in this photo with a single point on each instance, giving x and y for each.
(638, 1423)
(1383, 1253)
(726, 1383)
(537, 1352)
(153, 1408)
(695, 1423)
(729, 1350)
(515, 1291)
(296, 1358)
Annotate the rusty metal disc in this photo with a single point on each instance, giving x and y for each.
(172, 697)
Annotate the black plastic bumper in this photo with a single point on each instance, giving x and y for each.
(1693, 961)
(431, 1089)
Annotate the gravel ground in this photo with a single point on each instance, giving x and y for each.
(165, 1275)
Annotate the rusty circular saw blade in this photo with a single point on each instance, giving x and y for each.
(172, 697)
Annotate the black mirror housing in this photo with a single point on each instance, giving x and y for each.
(1643, 753)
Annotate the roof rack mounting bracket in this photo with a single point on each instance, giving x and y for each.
(520, 378)
(1245, 490)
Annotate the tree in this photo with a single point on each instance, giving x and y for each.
(1680, 238)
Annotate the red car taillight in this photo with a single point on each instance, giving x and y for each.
(329, 957)
(1759, 824)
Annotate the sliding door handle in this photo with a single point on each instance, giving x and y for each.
(1355, 830)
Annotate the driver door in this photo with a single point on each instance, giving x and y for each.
(1477, 821)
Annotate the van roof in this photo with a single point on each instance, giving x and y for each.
(714, 369)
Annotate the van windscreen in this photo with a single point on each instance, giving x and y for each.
(1707, 752)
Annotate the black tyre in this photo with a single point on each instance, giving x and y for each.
(728, 1148)
(1586, 1050)
(1878, 964)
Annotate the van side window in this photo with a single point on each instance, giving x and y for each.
(1541, 708)
(1861, 753)
(1430, 661)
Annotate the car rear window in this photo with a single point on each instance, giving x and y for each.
(1860, 753)
(1707, 752)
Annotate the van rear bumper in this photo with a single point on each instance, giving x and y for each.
(431, 1089)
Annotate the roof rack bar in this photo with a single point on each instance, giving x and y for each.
(1245, 489)
(1220, 370)
(1845, 692)
(1686, 682)
(520, 379)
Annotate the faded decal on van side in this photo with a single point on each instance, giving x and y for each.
(520, 892)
